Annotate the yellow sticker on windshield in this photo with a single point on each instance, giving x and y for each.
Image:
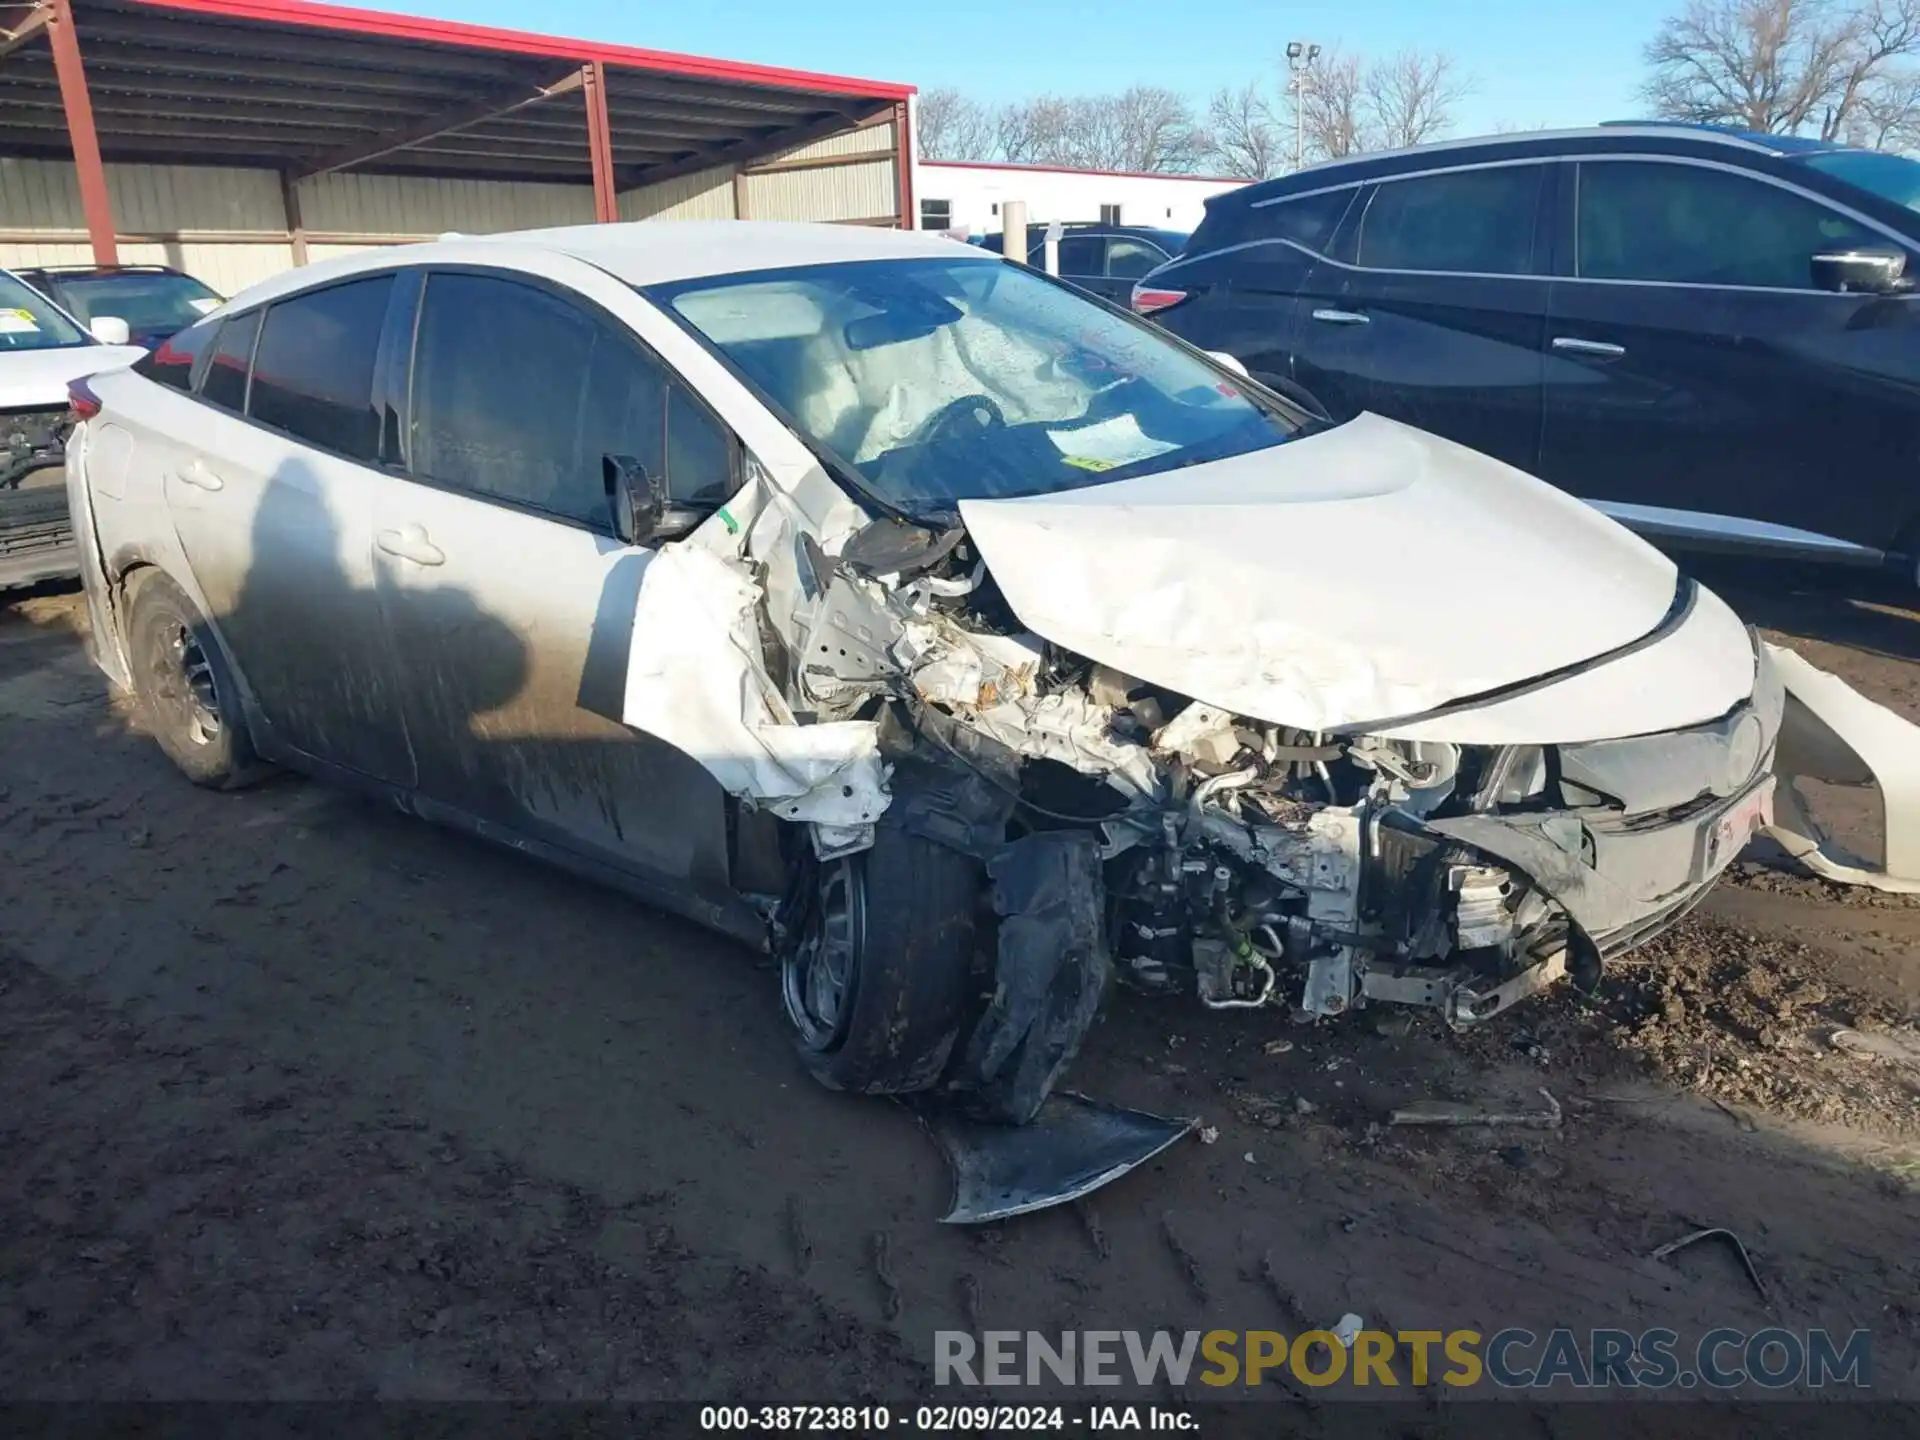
(18, 322)
(1087, 462)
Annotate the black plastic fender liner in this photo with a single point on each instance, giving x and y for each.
(1050, 974)
(1070, 1148)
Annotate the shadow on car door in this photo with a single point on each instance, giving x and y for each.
(273, 500)
(518, 393)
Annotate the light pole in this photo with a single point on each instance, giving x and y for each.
(1300, 57)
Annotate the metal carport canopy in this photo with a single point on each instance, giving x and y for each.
(306, 89)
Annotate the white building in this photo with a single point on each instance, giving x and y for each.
(968, 196)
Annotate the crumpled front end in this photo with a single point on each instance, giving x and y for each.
(845, 675)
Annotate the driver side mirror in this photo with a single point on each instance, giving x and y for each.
(1864, 270)
(110, 330)
(642, 512)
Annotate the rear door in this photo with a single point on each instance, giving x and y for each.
(1248, 274)
(1083, 260)
(1700, 387)
(1433, 309)
(510, 598)
(272, 489)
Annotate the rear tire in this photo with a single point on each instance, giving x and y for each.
(182, 688)
(878, 975)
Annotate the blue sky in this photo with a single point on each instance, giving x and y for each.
(1557, 62)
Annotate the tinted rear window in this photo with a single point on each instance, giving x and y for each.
(226, 379)
(172, 364)
(1310, 222)
(1467, 221)
(313, 376)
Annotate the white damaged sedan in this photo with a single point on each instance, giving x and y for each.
(970, 643)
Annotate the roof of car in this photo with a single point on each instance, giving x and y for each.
(647, 252)
(1660, 135)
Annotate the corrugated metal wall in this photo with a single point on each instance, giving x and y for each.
(348, 204)
(229, 226)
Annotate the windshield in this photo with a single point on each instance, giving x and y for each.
(937, 381)
(1891, 177)
(151, 303)
(30, 321)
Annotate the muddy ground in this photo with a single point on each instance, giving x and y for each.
(304, 1098)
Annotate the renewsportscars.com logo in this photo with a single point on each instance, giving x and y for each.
(1656, 1359)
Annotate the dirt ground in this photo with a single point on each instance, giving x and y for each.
(308, 1100)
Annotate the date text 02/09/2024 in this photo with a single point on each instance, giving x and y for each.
(943, 1419)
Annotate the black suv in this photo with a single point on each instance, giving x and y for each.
(1709, 335)
(1103, 259)
(156, 301)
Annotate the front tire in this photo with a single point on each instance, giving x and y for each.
(182, 688)
(877, 974)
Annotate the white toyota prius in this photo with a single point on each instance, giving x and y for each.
(967, 641)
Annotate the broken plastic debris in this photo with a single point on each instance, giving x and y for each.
(1071, 1148)
(1832, 732)
(1449, 1112)
(1277, 1047)
(1348, 1330)
(1209, 1134)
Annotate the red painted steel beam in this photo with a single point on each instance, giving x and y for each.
(95, 202)
(606, 199)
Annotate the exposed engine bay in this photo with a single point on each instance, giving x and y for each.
(1234, 851)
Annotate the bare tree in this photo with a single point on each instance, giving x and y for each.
(952, 126)
(1244, 136)
(1410, 98)
(1030, 132)
(1887, 116)
(1327, 108)
(1145, 128)
(1344, 105)
(1781, 66)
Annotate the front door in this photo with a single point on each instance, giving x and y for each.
(273, 499)
(1437, 318)
(1700, 387)
(508, 595)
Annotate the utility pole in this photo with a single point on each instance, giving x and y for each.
(1300, 57)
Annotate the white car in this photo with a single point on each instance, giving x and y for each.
(42, 349)
(963, 639)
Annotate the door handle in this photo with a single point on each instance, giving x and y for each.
(196, 474)
(1599, 349)
(1340, 317)
(410, 542)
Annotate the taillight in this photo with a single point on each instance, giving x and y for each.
(85, 403)
(1150, 299)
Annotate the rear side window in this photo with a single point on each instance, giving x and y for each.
(1688, 224)
(172, 364)
(1469, 221)
(313, 373)
(1129, 259)
(1079, 255)
(225, 383)
(1309, 222)
(519, 395)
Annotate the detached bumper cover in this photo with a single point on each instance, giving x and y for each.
(1623, 879)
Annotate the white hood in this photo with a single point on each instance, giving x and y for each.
(1368, 572)
(31, 379)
